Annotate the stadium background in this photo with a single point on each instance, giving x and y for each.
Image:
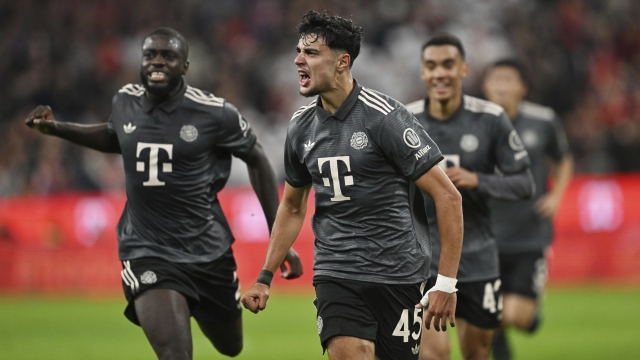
(59, 202)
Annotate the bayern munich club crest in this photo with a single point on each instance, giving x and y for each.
(359, 140)
(469, 142)
(188, 133)
(149, 277)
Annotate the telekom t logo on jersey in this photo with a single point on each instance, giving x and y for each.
(333, 168)
(154, 167)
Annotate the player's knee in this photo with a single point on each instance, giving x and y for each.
(441, 352)
(231, 349)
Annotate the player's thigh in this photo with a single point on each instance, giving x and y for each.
(141, 275)
(435, 345)
(475, 342)
(399, 322)
(519, 311)
(348, 347)
(164, 316)
(219, 313)
(524, 274)
(342, 312)
(480, 303)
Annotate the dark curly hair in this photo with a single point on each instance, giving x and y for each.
(337, 32)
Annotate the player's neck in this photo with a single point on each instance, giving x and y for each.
(157, 99)
(442, 109)
(512, 111)
(333, 99)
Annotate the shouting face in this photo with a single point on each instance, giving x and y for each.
(163, 64)
(317, 65)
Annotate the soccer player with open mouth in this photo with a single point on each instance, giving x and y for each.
(362, 152)
(176, 143)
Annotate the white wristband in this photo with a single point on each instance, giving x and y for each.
(444, 284)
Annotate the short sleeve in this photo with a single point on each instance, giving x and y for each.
(511, 156)
(407, 144)
(557, 146)
(296, 172)
(235, 133)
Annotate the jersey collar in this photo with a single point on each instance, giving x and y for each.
(169, 105)
(450, 117)
(344, 109)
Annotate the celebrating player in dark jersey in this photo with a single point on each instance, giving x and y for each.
(361, 151)
(475, 137)
(173, 239)
(523, 229)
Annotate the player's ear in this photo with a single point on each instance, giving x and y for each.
(344, 60)
(185, 67)
(464, 69)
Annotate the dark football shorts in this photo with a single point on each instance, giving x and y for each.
(211, 289)
(524, 273)
(479, 302)
(382, 313)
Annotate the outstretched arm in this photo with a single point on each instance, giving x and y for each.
(263, 181)
(286, 228)
(95, 136)
(442, 300)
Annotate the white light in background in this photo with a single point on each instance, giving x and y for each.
(248, 222)
(91, 218)
(600, 203)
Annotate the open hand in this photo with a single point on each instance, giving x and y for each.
(442, 306)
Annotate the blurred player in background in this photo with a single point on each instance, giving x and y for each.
(361, 151)
(173, 239)
(475, 137)
(523, 229)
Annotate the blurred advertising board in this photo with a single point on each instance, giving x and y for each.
(66, 243)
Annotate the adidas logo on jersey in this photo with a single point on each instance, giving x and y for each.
(129, 128)
(415, 350)
(308, 145)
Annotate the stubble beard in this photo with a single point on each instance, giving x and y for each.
(163, 91)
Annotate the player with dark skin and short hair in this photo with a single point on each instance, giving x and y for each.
(173, 239)
(475, 137)
(523, 229)
(362, 151)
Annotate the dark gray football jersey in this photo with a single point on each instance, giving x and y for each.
(361, 161)
(177, 156)
(515, 224)
(478, 137)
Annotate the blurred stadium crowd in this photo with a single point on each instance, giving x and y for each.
(583, 59)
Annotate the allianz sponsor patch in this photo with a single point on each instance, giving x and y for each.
(520, 154)
(514, 141)
(411, 138)
(422, 152)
